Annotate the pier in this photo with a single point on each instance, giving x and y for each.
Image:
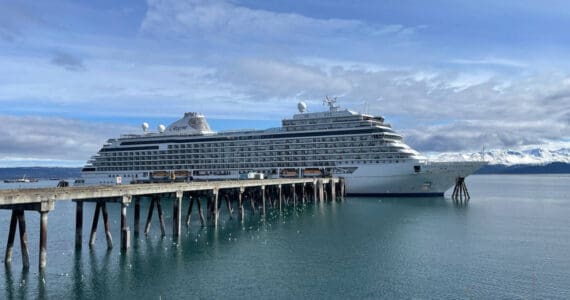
(261, 195)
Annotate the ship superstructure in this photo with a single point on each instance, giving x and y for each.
(362, 148)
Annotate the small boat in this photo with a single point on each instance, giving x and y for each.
(21, 180)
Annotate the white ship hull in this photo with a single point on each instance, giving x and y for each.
(434, 178)
(395, 179)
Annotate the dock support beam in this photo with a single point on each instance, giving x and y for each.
(315, 191)
(240, 203)
(216, 213)
(321, 190)
(294, 189)
(19, 220)
(137, 215)
(101, 206)
(78, 224)
(160, 216)
(155, 201)
(263, 200)
(11, 236)
(280, 198)
(333, 190)
(177, 211)
(125, 231)
(189, 213)
(195, 198)
(107, 225)
(94, 224)
(45, 207)
(229, 205)
(43, 239)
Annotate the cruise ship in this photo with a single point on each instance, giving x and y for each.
(362, 148)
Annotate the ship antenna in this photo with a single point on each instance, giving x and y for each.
(331, 102)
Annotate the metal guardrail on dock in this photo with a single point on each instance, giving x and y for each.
(257, 192)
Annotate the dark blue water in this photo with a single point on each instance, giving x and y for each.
(512, 240)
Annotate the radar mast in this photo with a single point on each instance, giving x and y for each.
(331, 102)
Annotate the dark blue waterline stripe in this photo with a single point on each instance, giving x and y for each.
(395, 194)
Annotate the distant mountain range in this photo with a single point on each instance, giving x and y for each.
(530, 161)
(39, 173)
(537, 156)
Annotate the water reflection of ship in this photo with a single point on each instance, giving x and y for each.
(24, 179)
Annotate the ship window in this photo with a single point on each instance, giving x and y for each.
(417, 169)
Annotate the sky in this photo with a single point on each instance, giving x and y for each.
(450, 75)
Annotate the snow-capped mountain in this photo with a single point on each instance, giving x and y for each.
(536, 156)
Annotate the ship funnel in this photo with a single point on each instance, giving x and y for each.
(191, 123)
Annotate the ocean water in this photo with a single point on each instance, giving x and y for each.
(512, 240)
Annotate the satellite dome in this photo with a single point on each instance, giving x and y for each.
(302, 106)
(145, 126)
(161, 128)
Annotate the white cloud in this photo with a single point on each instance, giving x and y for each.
(248, 69)
(191, 18)
(491, 61)
(477, 108)
(46, 138)
(273, 79)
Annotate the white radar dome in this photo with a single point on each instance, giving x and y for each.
(161, 128)
(145, 126)
(302, 106)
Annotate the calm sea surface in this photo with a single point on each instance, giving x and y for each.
(512, 240)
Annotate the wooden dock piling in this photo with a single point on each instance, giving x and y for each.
(189, 213)
(137, 214)
(240, 203)
(280, 198)
(216, 212)
(149, 215)
(333, 191)
(107, 225)
(125, 231)
(321, 191)
(11, 237)
(263, 200)
(78, 224)
(176, 212)
(43, 239)
(94, 224)
(18, 220)
(160, 215)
